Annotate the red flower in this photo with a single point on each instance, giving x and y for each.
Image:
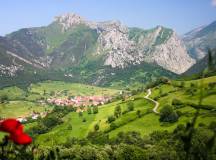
(9, 125)
(15, 129)
(22, 139)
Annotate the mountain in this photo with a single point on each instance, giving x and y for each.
(199, 40)
(71, 45)
(201, 65)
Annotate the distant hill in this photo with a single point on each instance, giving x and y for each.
(199, 40)
(201, 65)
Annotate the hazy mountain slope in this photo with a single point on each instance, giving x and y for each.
(71, 42)
(199, 40)
(201, 65)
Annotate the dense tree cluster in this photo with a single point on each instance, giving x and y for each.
(160, 145)
(51, 120)
(168, 114)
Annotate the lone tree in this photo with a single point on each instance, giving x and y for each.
(95, 110)
(110, 119)
(96, 127)
(130, 106)
(4, 99)
(168, 114)
(138, 113)
(210, 60)
(89, 110)
(80, 114)
(117, 111)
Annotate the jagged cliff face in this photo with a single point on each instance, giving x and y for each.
(71, 40)
(122, 48)
(162, 46)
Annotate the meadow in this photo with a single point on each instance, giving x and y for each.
(147, 123)
(79, 126)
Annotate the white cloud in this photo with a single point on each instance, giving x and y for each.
(214, 3)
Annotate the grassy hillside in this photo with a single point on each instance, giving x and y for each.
(81, 129)
(26, 101)
(66, 129)
(69, 89)
(148, 122)
(15, 109)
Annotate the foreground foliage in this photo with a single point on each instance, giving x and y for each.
(130, 145)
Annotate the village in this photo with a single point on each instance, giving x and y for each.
(79, 101)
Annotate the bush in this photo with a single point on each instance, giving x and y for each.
(117, 111)
(113, 126)
(124, 112)
(69, 127)
(84, 120)
(130, 106)
(164, 95)
(162, 80)
(4, 99)
(138, 113)
(80, 114)
(51, 121)
(182, 84)
(98, 138)
(96, 127)
(212, 125)
(95, 110)
(211, 85)
(168, 114)
(111, 119)
(89, 110)
(176, 102)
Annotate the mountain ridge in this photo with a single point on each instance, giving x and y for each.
(70, 41)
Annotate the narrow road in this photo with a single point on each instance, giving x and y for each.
(155, 102)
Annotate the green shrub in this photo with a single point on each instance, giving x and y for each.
(138, 113)
(80, 114)
(89, 110)
(117, 111)
(4, 99)
(96, 127)
(168, 114)
(113, 126)
(95, 109)
(124, 112)
(130, 106)
(84, 120)
(176, 102)
(110, 119)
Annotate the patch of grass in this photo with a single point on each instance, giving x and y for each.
(71, 89)
(14, 109)
(80, 129)
(73, 126)
(12, 92)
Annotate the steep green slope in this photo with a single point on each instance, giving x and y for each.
(202, 65)
(80, 45)
(148, 122)
(137, 33)
(93, 72)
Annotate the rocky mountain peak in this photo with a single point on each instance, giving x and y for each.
(112, 25)
(69, 19)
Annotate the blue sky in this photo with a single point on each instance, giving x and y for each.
(181, 15)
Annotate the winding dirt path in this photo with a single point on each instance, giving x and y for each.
(155, 102)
